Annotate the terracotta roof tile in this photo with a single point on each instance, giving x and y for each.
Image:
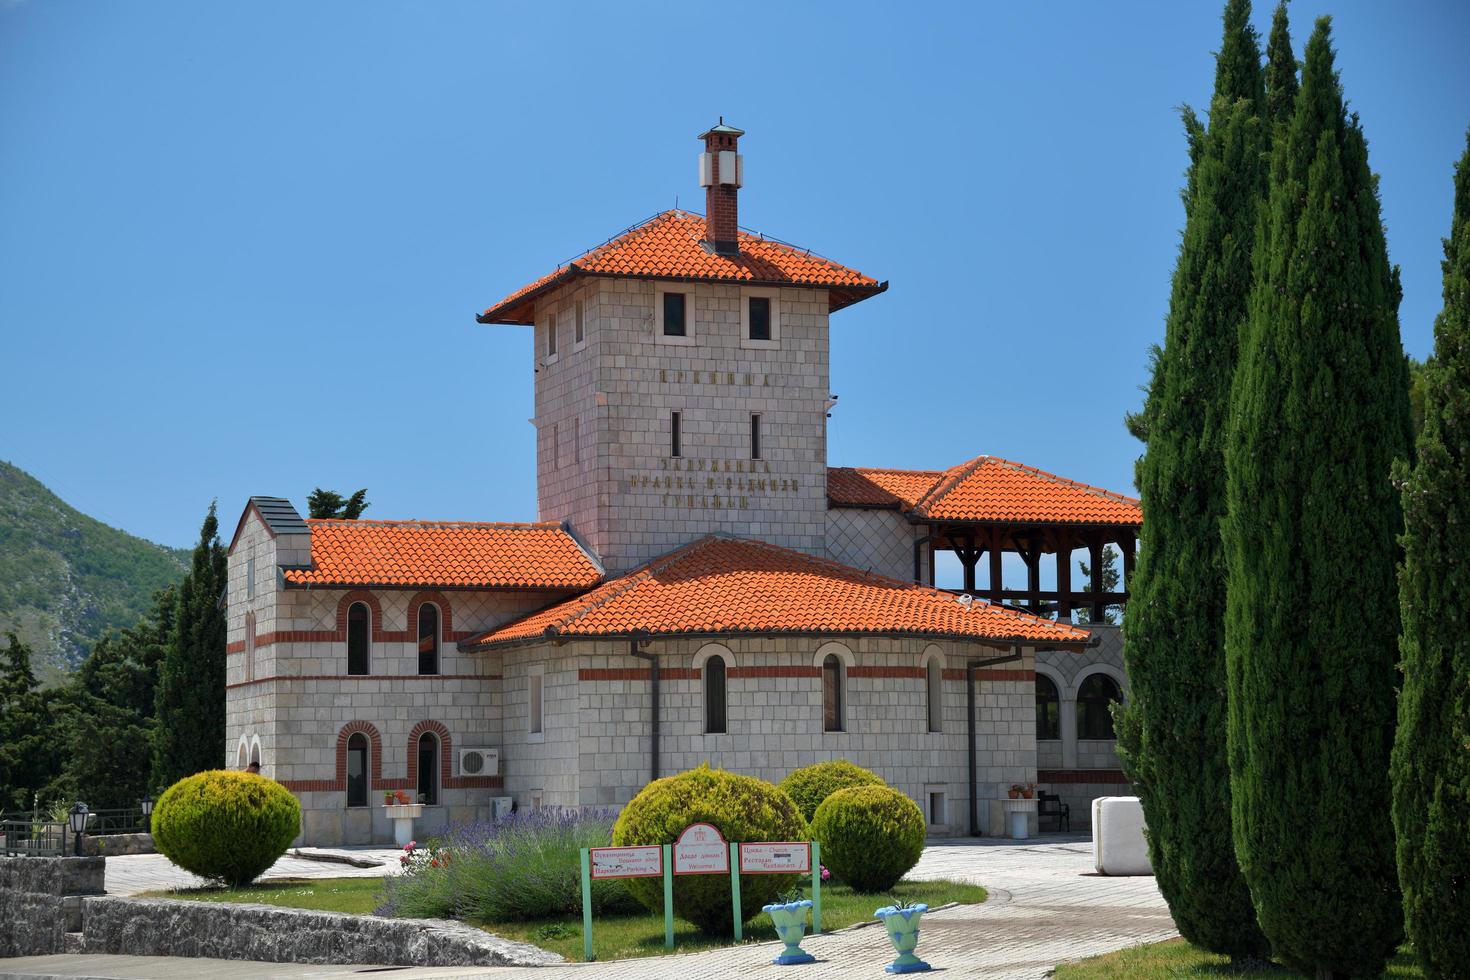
(444, 554)
(670, 246)
(849, 486)
(722, 585)
(988, 488)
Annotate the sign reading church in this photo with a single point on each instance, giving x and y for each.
(689, 524)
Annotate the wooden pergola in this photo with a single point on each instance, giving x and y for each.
(972, 541)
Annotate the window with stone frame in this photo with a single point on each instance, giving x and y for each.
(934, 689)
(716, 721)
(1048, 710)
(674, 321)
(536, 701)
(357, 770)
(579, 335)
(1095, 699)
(250, 646)
(428, 788)
(834, 695)
(428, 638)
(359, 638)
(760, 317)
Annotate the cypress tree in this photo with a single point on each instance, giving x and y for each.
(1281, 84)
(1174, 630)
(189, 736)
(1319, 413)
(1431, 760)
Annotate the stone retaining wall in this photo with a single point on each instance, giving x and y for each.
(41, 901)
(163, 927)
(113, 845)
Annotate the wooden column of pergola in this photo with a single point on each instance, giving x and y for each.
(1032, 542)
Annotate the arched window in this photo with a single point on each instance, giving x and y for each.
(1048, 709)
(934, 683)
(250, 646)
(428, 638)
(357, 770)
(359, 632)
(255, 752)
(242, 756)
(428, 769)
(714, 696)
(834, 695)
(1094, 698)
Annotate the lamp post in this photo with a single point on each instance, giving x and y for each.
(146, 805)
(78, 818)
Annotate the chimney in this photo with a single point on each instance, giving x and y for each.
(721, 172)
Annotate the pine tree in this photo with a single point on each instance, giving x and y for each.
(28, 751)
(331, 504)
(1108, 583)
(1431, 760)
(190, 716)
(1319, 413)
(1174, 746)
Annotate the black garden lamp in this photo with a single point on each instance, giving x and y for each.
(146, 805)
(78, 819)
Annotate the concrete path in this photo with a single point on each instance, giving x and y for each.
(132, 874)
(1046, 907)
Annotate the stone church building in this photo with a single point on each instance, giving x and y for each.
(701, 586)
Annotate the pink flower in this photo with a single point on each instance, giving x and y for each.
(825, 873)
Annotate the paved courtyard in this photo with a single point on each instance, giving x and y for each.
(1046, 907)
(133, 874)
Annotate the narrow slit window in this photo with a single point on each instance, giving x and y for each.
(551, 336)
(755, 437)
(760, 318)
(537, 704)
(357, 770)
(555, 446)
(428, 638)
(581, 327)
(674, 325)
(675, 448)
(832, 694)
(714, 696)
(934, 679)
(358, 633)
(577, 439)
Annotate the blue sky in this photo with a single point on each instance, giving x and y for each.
(242, 245)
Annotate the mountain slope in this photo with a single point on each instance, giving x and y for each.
(66, 579)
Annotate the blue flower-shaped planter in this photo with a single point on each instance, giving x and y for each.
(790, 920)
(903, 931)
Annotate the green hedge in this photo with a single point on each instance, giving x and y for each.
(870, 836)
(225, 826)
(744, 809)
(810, 785)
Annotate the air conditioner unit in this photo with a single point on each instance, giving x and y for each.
(501, 807)
(479, 762)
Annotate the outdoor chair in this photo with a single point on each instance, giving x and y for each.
(1051, 805)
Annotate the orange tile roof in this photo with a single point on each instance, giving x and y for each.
(988, 488)
(849, 486)
(444, 554)
(670, 246)
(719, 585)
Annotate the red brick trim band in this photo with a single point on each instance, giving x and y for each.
(366, 677)
(636, 674)
(1103, 777)
(775, 672)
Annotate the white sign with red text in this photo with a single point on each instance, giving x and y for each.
(778, 858)
(701, 850)
(626, 862)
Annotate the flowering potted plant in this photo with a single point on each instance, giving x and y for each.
(1028, 791)
(387, 797)
(901, 921)
(1016, 789)
(788, 913)
(402, 811)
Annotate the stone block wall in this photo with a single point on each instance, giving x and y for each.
(1077, 769)
(880, 541)
(41, 901)
(775, 720)
(628, 498)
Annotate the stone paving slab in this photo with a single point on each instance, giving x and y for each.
(133, 874)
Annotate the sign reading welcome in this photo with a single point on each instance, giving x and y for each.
(701, 850)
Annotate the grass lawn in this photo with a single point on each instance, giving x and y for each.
(1177, 958)
(614, 936)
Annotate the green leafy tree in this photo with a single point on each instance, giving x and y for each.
(1172, 731)
(28, 753)
(190, 696)
(1431, 757)
(1319, 413)
(328, 504)
(104, 717)
(1110, 580)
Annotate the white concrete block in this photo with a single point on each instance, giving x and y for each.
(1118, 844)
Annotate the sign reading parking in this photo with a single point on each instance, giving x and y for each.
(626, 862)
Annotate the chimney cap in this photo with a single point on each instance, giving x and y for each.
(721, 128)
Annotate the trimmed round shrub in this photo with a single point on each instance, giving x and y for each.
(810, 785)
(870, 836)
(743, 808)
(225, 826)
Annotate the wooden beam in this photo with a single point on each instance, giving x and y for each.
(1095, 553)
(1064, 581)
(997, 577)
